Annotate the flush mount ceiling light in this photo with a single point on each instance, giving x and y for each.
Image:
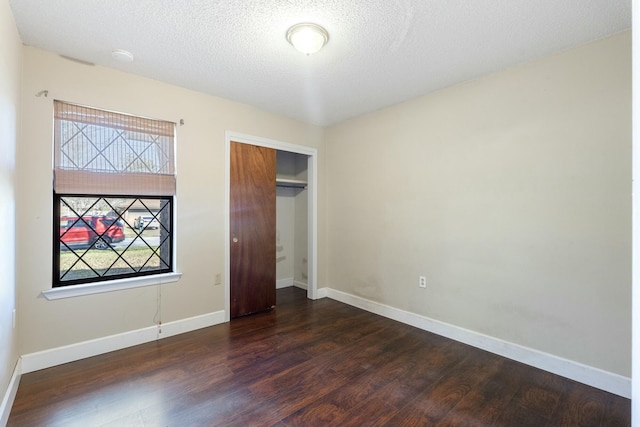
(307, 38)
(122, 55)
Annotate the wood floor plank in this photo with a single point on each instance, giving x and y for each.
(538, 396)
(617, 412)
(482, 405)
(368, 372)
(434, 403)
(308, 363)
(582, 407)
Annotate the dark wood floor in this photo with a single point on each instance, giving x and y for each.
(308, 363)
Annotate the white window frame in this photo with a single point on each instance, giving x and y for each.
(97, 287)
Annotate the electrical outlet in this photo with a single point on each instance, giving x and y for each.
(218, 279)
(422, 282)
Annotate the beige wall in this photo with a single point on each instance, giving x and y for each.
(200, 220)
(285, 232)
(292, 219)
(285, 218)
(301, 226)
(301, 265)
(511, 193)
(291, 228)
(10, 59)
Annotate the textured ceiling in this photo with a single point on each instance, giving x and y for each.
(380, 52)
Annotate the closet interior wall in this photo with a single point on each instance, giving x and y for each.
(291, 219)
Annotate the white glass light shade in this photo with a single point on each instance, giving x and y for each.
(307, 38)
(122, 55)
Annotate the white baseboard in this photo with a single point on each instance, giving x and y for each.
(287, 283)
(323, 293)
(300, 285)
(607, 381)
(284, 283)
(10, 394)
(69, 353)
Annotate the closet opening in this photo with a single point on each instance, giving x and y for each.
(291, 220)
(295, 241)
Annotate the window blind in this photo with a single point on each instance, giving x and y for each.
(102, 152)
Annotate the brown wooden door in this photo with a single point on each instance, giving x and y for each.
(252, 228)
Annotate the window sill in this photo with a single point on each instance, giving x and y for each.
(110, 286)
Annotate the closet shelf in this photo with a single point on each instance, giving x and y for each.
(290, 183)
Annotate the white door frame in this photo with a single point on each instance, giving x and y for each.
(635, 252)
(312, 222)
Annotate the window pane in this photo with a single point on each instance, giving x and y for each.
(107, 150)
(103, 152)
(112, 237)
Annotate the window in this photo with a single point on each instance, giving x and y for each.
(114, 188)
